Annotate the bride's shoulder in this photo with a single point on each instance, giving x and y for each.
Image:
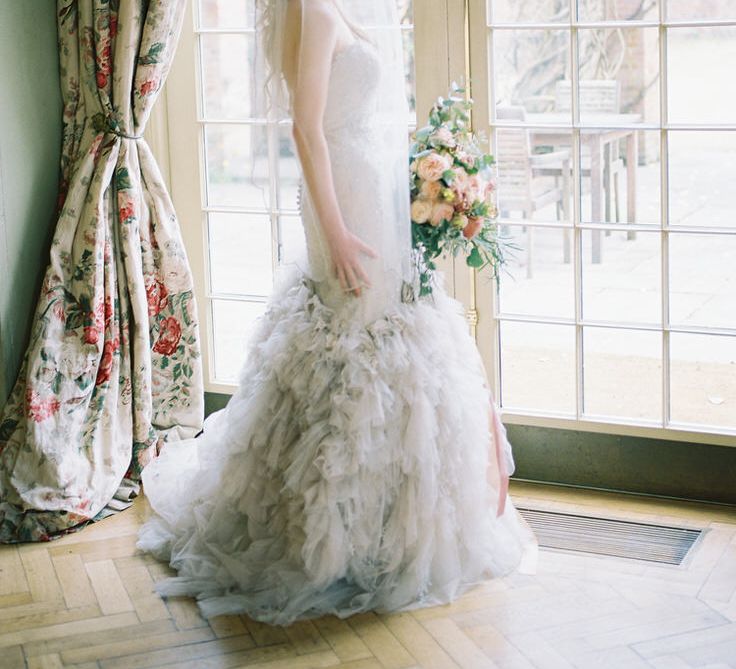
(324, 10)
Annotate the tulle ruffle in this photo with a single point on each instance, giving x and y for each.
(348, 473)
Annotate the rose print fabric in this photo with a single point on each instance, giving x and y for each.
(113, 364)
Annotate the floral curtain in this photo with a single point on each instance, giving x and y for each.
(113, 365)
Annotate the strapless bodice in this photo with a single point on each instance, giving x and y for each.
(353, 88)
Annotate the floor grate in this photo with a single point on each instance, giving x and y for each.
(607, 536)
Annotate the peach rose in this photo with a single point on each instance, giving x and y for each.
(440, 212)
(432, 166)
(431, 190)
(421, 210)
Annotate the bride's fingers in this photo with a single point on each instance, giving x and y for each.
(352, 279)
(341, 277)
(362, 274)
(368, 250)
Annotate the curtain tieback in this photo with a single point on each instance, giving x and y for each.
(103, 123)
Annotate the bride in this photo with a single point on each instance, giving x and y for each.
(361, 464)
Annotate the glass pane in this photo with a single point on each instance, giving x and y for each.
(700, 63)
(534, 171)
(702, 171)
(620, 176)
(528, 11)
(288, 175)
(538, 281)
(678, 10)
(703, 379)
(538, 367)
(240, 254)
(617, 10)
(622, 372)
(619, 76)
(229, 90)
(293, 245)
(227, 13)
(527, 66)
(625, 285)
(237, 165)
(232, 324)
(703, 280)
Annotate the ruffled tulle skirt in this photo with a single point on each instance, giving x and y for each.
(348, 473)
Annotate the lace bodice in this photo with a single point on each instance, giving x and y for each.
(351, 100)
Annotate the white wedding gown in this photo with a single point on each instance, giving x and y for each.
(348, 472)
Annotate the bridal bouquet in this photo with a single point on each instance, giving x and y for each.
(452, 192)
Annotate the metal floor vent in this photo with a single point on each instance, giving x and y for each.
(606, 536)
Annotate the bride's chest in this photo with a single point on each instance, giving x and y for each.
(354, 79)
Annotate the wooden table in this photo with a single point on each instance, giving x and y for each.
(599, 139)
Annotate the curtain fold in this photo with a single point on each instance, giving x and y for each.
(113, 366)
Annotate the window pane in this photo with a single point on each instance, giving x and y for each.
(622, 373)
(625, 285)
(237, 165)
(528, 11)
(703, 280)
(703, 379)
(619, 74)
(527, 66)
(537, 281)
(538, 367)
(700, 9)
(229, 91)
(617, 10)
(288, 175)
(620, 174)
(232, 323)
(693, 97)
(702, 171)
(240, 253)
(227, 13)
(534, 170)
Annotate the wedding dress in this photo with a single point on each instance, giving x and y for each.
(348, 471)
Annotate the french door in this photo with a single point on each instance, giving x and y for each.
(614, 127)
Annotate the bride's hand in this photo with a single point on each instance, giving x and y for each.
(345, 249)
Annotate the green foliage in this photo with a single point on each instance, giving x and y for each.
(153, 56)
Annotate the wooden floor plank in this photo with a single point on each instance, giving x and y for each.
(12, 575)
(85, 625)
(346, 644)
(108, 587)
(40, 573)
(457, 645)
(384, 645)
(418, 641)
(74, 581)
(144, 644)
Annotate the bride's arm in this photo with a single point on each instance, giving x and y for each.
(318, 41)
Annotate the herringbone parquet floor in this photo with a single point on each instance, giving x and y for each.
(86, 601)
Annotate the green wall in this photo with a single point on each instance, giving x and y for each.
(30, 144)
